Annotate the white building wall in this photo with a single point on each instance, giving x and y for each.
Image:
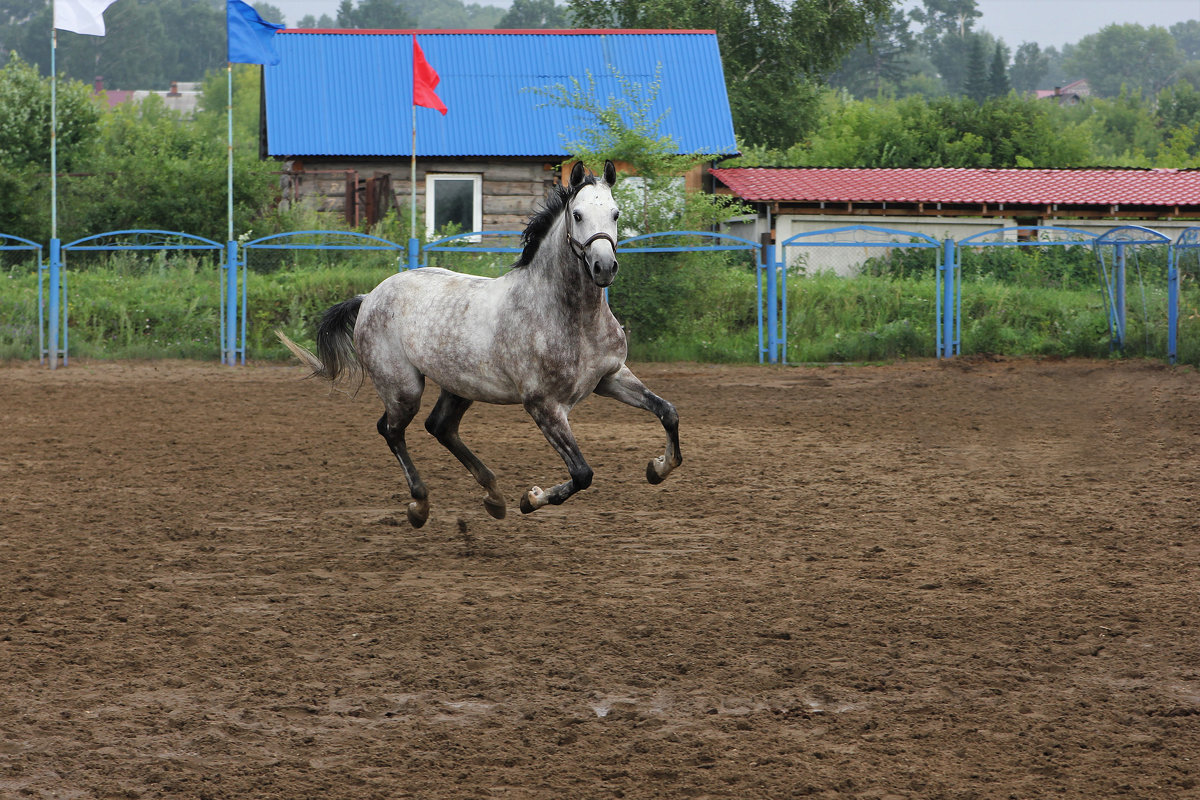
(847, 260)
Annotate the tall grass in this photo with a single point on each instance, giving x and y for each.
(699, 306)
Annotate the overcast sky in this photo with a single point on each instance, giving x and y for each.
(1047, 22)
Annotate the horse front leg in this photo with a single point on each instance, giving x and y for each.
(623, 385)
(552, 420)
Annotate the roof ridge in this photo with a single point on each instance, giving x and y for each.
(1027, 170)
(500, 31)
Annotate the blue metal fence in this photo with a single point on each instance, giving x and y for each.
(32, 250)
(946, 296)
(1114, 250)
(234, 340)
(112, 241)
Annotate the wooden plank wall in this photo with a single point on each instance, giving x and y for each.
(511, 188)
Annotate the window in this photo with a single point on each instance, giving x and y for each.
(453, 199)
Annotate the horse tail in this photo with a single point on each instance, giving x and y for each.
(335, 342)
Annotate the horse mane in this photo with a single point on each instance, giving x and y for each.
(543, 217)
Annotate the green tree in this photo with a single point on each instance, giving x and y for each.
(534, 14)
(1122, 127)
(998, 84)
(624, 129)
(975, 82)
(1028, 66)
(1177, 106)
(1187, 38)
(372, 14)
(946, 34)
(25, 144)
(775, 53)
(146, 45)
(25, 119)
(1126, 56)
(1007, 131)
(880, 63)
(323, 22)
(939, 18)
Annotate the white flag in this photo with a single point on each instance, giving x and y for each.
(81, 16)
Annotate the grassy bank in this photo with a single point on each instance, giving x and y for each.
(676, 309)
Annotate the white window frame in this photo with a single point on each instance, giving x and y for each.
(476, 179)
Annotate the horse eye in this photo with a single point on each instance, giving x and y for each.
(578, 216)
(616, 215)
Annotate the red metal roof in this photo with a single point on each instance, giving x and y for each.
(1148, 187)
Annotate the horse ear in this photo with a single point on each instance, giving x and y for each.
(610, 173)
(577, 173)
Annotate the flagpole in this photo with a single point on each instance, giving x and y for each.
(53, 134)
(229, 147)
(414, 172)
(412, 237)
(55, 245)
(413, 98)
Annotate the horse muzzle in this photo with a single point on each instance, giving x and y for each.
(601, 261)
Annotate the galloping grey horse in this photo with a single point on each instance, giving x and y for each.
(541, 335)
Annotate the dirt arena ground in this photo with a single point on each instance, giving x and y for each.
(966, 580)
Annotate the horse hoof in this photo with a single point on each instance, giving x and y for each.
(653, 476)
(496, 508)
(534, 499)
(418, 513)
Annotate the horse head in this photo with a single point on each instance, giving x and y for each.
(592, 222)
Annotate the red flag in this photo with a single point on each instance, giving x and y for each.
(425, 80)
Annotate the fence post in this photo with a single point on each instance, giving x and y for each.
(772, 304)
(229, 346)
(759, 267)
(54, 306)
(948, 306)
(412, 253)
(1119, 296)
(1172, 302)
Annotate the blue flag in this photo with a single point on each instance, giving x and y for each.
(250, 36)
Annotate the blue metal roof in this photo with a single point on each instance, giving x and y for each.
(348, 93)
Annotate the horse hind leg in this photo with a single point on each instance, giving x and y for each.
(443, 424)
(399, 412)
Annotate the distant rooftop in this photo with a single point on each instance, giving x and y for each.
(183, 96)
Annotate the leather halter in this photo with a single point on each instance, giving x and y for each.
(580, 253)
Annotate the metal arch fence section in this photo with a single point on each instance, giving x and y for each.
(765, 276)
(1123, 241)
(111, 241)
(1016, 236)
(15, 244)
(472, 242)
(235, 340)
(1185, 248)
(947, 296)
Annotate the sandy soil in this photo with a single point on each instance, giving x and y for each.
(965, 580)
